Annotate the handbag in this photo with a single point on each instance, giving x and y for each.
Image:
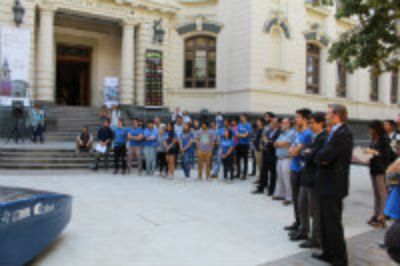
(393, 179)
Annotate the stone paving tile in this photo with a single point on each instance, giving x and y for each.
(363, 250)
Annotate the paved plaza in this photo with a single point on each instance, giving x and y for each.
(142, 220)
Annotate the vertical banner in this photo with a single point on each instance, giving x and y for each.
(111, 91)
(154, 78)
(15, 50)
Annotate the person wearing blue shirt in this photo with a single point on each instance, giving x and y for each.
(186, 146)
(171, 148)
(216, 165)
(304, 137)
(243, 134)
(227, 149)
(37, 119)
(150, 136)
(120, 136)
(135, 136)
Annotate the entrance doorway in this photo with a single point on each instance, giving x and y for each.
(73, 75)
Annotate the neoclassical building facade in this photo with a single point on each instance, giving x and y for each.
(222, 55)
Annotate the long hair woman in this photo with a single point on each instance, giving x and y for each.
(171, 148)
(380, 151)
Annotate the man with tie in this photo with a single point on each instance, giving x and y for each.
(332, 183)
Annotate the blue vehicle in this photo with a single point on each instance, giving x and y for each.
(30, 221)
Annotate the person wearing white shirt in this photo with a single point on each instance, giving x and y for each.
(176, 114)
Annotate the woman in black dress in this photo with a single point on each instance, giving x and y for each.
(380, 151)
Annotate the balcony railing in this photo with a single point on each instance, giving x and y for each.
(320, 2)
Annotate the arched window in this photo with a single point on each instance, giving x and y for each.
(394, 91)
(313, 68)
(200, 62)
(374, 95)
(341, 86)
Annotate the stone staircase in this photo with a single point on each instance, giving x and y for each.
(31, 158)
(66, 122)
(58, 152)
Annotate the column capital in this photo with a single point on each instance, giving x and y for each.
(48, 8)
(129, 22)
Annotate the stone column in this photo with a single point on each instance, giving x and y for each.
(127, 63)
(45, 70)
(385, 85)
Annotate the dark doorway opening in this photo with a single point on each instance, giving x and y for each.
(73, 75)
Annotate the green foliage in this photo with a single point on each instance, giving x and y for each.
(375, 42)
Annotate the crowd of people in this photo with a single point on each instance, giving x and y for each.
(303, 162)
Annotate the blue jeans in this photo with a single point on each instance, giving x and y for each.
(218, 163)
(187, 163)
(150, 157)
(37, 132)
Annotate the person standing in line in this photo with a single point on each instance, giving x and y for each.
(253, 151)
(219, 119)
(178, 127)
(157, 123)
(243, 135)
(186, 118)
(171, 148)
(115, 116)
(309, 206)
(332, 183)
(392, 208)
(303, 137)
(268, 175)
(161, 160)
(186, 142)
(150, 136)
(282, 144)
(234, 130)
(394, 137)
(204, 148)
(257, 147)
(37, 118)
(135, 137)
(381, 151)
(216, 167)
(121, 135)
(103, 114)
(214, 153)
(227, 150)
(105, 137)
(176, 114)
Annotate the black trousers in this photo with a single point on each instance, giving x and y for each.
(332, 233)
(119, 155)
(295, 183)
(228, 166)
(161, 161)
(254, 164)
(268, 172)
(242, 155)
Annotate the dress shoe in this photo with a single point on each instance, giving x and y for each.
(299, 236)
(286, 203)
(309, 244)
(257, 191)
(292, 227)
(321, 257)
(276, 198)
(292, 233)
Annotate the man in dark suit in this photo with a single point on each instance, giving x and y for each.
(309, 198)
(268, 172)
(332, 183)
